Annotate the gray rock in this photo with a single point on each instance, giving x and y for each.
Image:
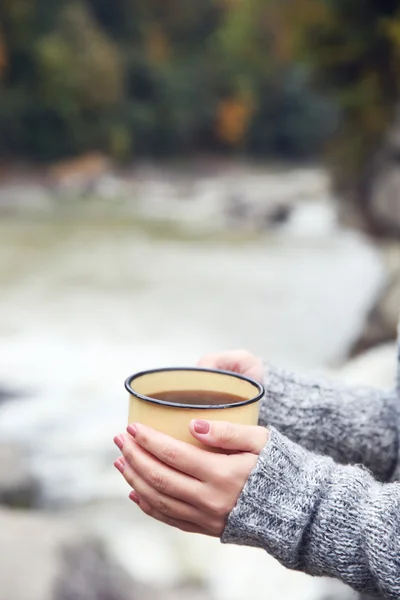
(381, 324)
(371, 202)
(379, 193)
(87, 573)
(244, 211)
(384, 205)
(46, 558)
(18, 486)
(4, 395)
(382, 320)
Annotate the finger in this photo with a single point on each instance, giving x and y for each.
(212, 361)
(165, 505)
(236, 361)
(255, 371)
(233, 360)
(160, 476)
(176, 523)
(229, 436)
(178, 455)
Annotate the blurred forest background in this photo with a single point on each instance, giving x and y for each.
(160, 78)
(178, 76)
(291, 79)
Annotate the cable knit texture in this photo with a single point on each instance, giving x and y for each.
(324, 497)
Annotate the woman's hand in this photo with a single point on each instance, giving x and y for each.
(183, 485)
(238, 361)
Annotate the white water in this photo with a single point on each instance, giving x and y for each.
(84, 305)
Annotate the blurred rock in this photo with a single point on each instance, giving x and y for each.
(86, 572)
(385, 200)
(5, 395)
(44, 558)
(383, 203)
(373, 204)
(381, 323)
(18, 486)
(377, 368)
(243, 211)
(264, 201)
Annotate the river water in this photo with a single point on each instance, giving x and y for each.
(85, 302)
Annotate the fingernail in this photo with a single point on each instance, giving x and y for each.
(120, 465)
(131, 429)
(134, 497)
(201, 426)
(119, 441)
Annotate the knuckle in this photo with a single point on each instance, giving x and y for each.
(158, 481)
(227, 474)
(149, 511)
(129, 457)
(217, 507)
(161, 506)
(139, 487)
(220, 473)
(170, 453)
(217, 526)
(146, 508)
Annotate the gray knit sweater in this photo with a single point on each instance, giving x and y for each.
(323, 497)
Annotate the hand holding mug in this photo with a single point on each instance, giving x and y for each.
(183, 485)
(179, 415)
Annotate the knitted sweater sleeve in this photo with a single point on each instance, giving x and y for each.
(351, 425)
(322, 518)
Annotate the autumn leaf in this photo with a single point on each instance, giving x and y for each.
(233, 118)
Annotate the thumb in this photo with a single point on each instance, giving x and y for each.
(229, 436)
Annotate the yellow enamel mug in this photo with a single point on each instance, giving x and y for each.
(173, 418)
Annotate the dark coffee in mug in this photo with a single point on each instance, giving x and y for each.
(198, 397)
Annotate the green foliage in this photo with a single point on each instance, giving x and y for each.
(159, 77)
(78, 66)
(353, 48)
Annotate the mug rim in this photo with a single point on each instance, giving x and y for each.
(257, 398)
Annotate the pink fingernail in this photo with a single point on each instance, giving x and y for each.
(131, 429)
(120, 465)
(134, 497)
(119, 441)
(201, 426)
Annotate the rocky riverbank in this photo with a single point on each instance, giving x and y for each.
(48, 556)
(381, 323)
(220, 194)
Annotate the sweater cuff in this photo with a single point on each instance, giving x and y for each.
(277, 503)
(282, 390)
